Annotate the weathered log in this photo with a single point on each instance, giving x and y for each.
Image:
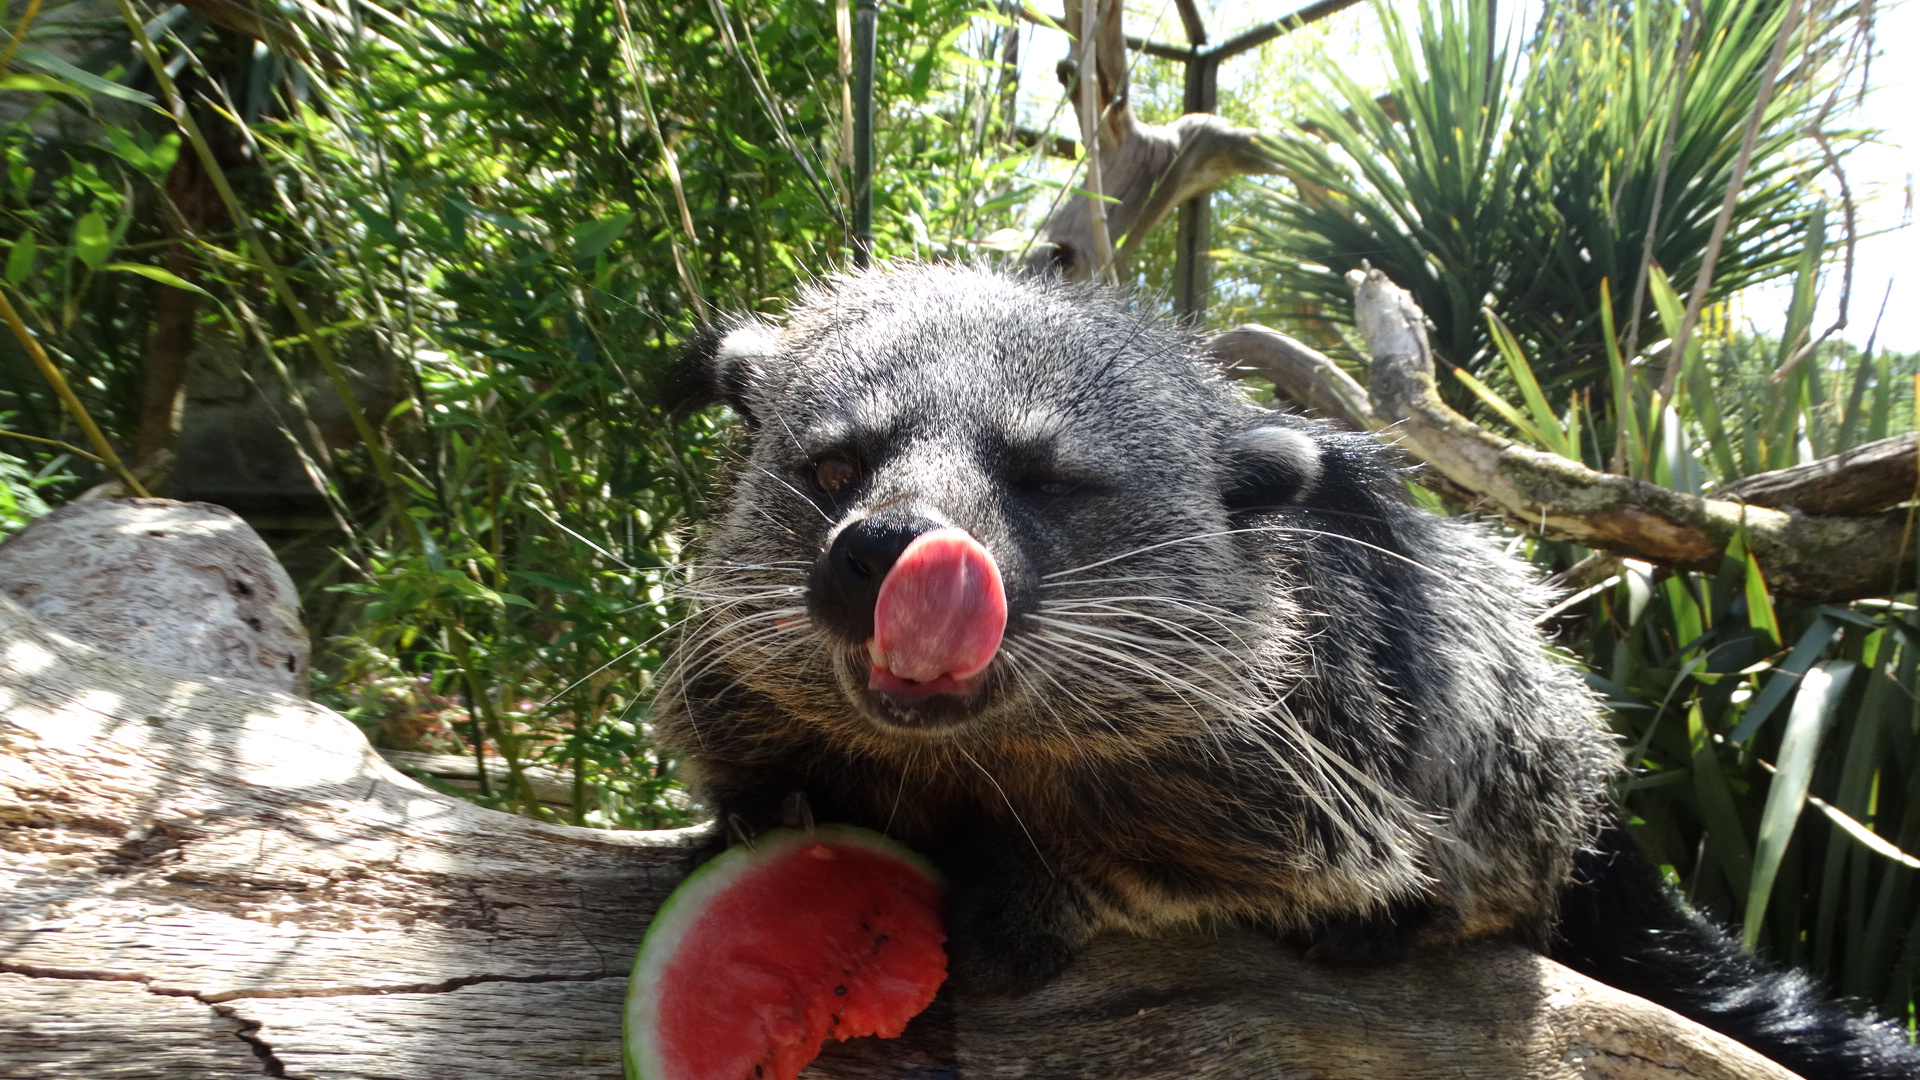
(209, 880)
(1810, 556)
(1861, 480)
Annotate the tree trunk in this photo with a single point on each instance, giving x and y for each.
(211, 879)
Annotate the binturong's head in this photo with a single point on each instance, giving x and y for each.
(973, 507)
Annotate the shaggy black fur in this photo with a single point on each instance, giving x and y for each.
(1621, 924)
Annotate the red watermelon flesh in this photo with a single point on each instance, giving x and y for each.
(763, 954)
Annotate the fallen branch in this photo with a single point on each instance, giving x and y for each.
(1859, 481)
(1806, 555)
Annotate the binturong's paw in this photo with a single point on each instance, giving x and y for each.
(1371, 941)
(1001, 946)
(1013, 922)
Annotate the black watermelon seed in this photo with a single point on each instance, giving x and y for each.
(758, 1071)
(839, 989)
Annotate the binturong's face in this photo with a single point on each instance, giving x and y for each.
(974, 507)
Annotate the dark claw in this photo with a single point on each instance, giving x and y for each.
(796, 812)
(738, 831)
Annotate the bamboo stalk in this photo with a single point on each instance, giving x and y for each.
(182, 116)
(68, 398)
(19, 33)
(672, 161)
(865, 20)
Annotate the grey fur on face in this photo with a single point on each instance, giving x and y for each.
(1241, 677)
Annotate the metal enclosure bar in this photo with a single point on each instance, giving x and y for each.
(1192, 268)
(866, 16)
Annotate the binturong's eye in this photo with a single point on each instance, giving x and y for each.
(834, 473)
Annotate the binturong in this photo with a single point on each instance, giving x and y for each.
(1008, 571)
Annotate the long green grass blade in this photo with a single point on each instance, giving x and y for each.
(1727, 839)
(1631, 450)
(1553, 436)
(1786, 677)
(1760, 613)
(1703, 405)
(1807, 724)
(1806, 285)
(1500, 405)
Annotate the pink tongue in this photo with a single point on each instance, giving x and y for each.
(941, 611)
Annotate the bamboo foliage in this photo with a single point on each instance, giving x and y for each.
(520, 211)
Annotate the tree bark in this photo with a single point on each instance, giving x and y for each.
(1146, 169)
(1859, 481)
(210, 879)
(1810, 556)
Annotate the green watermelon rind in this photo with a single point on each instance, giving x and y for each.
(682, 910)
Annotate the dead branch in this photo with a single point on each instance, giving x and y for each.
(1145, 170)
(1300, 372)
(1824, 556)
(1859, 481)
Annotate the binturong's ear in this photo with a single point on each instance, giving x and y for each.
(724, 365)
(1268, 468)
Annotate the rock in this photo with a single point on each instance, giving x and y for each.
(187, 587)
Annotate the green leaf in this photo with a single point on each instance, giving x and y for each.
(1807, 724)
(1626, 411)
(53, 65)
(1725, 835)
(1499, 404)
(558, 584)
(154, 273)
(41, 84)
(128, 150)
(1760, 614)
(1806, 284)
(1672, 311)
(20, 259)
(1785, 677)
(594, 237)
(165, 152)
(91, 242)
(1552, 435)
(377, 223)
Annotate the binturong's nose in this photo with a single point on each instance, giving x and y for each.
(845, 583)
(925, 598)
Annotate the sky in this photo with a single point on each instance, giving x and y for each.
(1881, 173)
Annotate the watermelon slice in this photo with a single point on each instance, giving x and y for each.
(764, 953)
